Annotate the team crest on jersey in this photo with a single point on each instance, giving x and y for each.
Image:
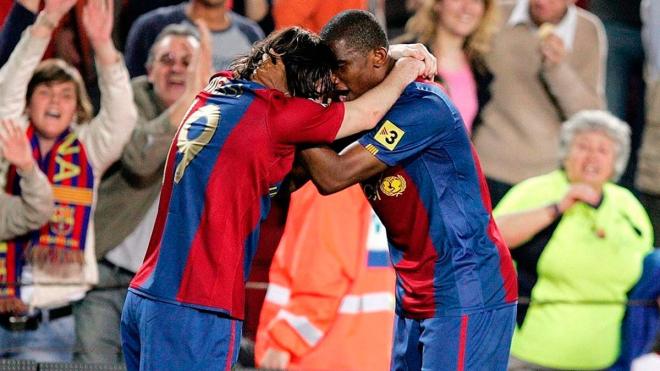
(389, 135)
(201, 125)
(393, 186)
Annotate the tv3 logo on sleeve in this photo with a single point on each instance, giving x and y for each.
(389, 135)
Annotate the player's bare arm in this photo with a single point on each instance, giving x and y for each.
(365, 112)
(331, 172)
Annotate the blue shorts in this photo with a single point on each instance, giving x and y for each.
(479, 341)
(157, 335)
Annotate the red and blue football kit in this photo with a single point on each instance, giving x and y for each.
(450, 259)
(229, 157)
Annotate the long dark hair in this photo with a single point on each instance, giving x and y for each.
(308, 61)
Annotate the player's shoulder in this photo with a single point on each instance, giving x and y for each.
(429, 92)
(424, 97)
(224, 83)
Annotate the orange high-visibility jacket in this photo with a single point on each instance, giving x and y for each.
(330, 299)
(311, 14)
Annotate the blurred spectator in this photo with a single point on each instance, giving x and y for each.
(128, 195)
(73, 149)
(70, 43)
(23, 13)
(311, 14)
(458, 32)
(543, 74)
(397, 13)
(232, 34)
(257, 10)
(624, 83)
(578, 241)
(648, 172)
(132, 10)
(331, 288)
(33, 206)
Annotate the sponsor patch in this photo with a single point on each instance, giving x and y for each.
(389, 135)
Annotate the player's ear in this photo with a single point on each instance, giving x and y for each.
(379, 57)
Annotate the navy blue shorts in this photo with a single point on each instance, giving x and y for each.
(161, 336)
(479, 341)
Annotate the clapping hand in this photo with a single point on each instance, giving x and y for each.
(201, 68)
(98, 19)
(11, 305)
(14, 146)
(56, 9)
(579, 192)
(50, 17)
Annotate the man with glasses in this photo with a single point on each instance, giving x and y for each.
(178, 66)
(232, 35)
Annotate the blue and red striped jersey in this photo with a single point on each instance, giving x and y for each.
(433, 200)
(229, 157)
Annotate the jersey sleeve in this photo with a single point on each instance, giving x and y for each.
(300, 120)
(412, 125)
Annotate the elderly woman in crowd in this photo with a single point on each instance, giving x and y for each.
(49, 102)
(458, 32)
(578, 241)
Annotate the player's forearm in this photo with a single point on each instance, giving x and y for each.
(325, 167)
(365, 112)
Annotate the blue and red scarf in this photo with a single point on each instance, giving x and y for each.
(62, 239)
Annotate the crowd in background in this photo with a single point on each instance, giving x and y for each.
(561, 100)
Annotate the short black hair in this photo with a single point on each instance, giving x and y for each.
(358, 28)
(308, 61)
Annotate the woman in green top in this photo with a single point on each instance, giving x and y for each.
(578, 241)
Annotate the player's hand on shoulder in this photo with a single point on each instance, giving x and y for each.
(419, 52)
(409, 68)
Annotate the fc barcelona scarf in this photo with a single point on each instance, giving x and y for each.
(62, 239)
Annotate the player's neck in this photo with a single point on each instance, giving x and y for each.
(390, 65)
(271, 75)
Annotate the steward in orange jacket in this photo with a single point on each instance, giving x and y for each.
(330, 300)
